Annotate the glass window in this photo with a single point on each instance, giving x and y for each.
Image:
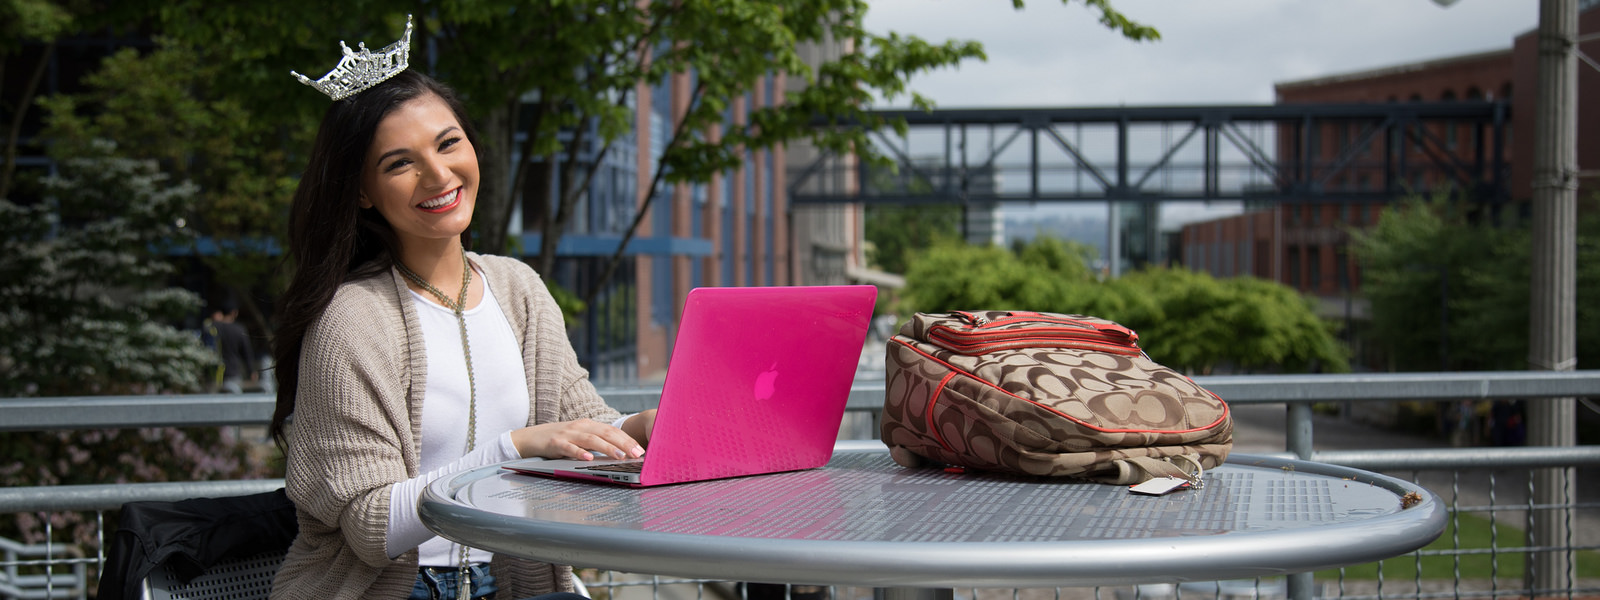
(1314, 268)
(749, 182)
(697, 210)
(662, 308)
(729, 251)
(1341, 268)
(1292, 269)
(749, 266)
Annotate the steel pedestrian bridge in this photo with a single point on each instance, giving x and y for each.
(1267, 153)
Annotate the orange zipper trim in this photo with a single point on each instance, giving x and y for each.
(934, 400)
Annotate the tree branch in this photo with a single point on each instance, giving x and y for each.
(644, 207)
(9, 167)
(520, 180)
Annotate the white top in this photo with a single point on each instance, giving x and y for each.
(502, 406)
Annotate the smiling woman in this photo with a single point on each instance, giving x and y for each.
(422, 175)
(402, 357)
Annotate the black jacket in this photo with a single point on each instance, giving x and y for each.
(191, 535)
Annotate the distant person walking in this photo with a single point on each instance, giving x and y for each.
(236, 358)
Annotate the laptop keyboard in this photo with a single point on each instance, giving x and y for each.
(627, 467)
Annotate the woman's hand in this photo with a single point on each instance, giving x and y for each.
(640, 425)
(582, 439)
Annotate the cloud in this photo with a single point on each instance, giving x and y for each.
(1214, 52)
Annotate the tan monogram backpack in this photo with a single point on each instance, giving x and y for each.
(1045, 394)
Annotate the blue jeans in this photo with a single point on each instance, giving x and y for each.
(437, 583)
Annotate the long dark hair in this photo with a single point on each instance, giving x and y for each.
(332, 240)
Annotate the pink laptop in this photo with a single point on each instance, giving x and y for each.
(757, 384)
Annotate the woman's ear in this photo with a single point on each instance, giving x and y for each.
(363, 201)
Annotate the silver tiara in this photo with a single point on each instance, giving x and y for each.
(358, 71)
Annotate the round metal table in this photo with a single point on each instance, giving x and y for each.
(864, 521)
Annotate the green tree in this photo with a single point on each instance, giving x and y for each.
(894, 233)
(1407, 261)
(566, 73)
(22, 22)
(1449, 287)
(952, 275)
(214, 103)
(1247, 323)
(607, 49)
(1186, 320)
(1044, 274)
(1587, 293)
(165, 105)
(87, 309)
(1066, 259)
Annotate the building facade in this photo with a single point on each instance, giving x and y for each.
(1306, 245)
(731, 231)
(736, 230)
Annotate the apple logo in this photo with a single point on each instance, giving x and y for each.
(766, 382)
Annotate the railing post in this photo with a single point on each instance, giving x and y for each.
(913, 594)
(1552, 313)
(1297, 437)
(1297, 440)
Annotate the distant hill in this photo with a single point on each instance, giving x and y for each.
(1089, 230)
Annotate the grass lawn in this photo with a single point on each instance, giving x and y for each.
(1475, 535)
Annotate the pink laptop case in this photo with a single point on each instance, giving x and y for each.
(758, 381)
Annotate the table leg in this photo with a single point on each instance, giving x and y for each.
(913, 594)
(1301, 586)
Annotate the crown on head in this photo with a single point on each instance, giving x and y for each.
(358, 71)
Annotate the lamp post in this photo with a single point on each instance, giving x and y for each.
(1552, 338)
(1552, 333)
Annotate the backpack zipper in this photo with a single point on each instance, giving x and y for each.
(1075, 334)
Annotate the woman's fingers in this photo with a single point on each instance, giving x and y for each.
(605, 444)
(582, 439)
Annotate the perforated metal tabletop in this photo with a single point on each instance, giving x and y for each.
(862, 520)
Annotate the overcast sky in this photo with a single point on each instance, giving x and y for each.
(1210, 52)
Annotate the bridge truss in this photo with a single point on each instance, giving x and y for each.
(1270, 153)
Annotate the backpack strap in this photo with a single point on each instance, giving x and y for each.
(1139, 469)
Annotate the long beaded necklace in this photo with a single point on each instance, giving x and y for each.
(459, 305)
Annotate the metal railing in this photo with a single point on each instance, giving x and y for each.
(1489, 491)
(16, 580)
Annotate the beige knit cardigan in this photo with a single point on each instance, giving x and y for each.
(357, 426)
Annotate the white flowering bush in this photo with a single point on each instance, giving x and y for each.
(87, 307)
(87, 304)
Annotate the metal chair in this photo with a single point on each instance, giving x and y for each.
(226, 548)
(233, 579)
(270, 528)
(239, 579)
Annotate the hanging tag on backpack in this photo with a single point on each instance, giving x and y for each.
(1159, 486)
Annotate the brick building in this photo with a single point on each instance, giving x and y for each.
(1306, 244)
